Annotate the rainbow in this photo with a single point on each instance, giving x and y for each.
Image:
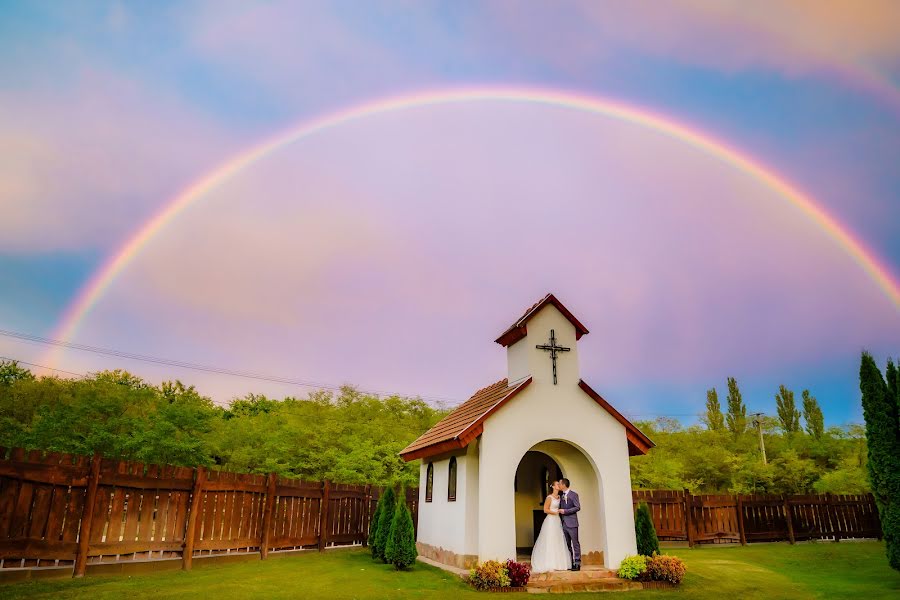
(105, 275)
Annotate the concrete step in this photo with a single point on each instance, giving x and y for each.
(605, 584)
(585, 574)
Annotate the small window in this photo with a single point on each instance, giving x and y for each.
(546, 484)
(451, 483)
(429, 482)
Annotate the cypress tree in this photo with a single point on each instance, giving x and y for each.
(384, 523)
(812, 414)
(737, 412)
(788, 415)
(373, 526)
(401, 544)
(883, 439)
(645, 532)
(715, 420)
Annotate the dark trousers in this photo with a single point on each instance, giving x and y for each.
(572, 543)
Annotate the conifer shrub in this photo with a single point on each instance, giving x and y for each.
(385, 518)
(645, 532)
(373, 527)
(400, 550)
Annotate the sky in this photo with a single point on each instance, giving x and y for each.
(388, 250)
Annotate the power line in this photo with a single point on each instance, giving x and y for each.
(201, 367)
(22, 362)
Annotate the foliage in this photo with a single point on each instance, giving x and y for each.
(384, 523)
(788, 415)
(348, 437)
(373, 527)
(632, 567)
(883, 435)
(490, 574)
(400, 550)
(737, 411)
(645, 532)
(519, 573)
(662, 567)
(812, 414)
(714, 418)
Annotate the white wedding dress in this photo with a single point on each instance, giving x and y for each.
(550, 552)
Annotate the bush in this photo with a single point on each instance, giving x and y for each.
(373, 527)
(401, 545)
(384, 522)
(519, 573)
(645, 533)
(665, 568)
(490, 574)
(632, 567)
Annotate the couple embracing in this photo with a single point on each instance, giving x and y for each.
(557, 547)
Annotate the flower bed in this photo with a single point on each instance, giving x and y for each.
(659, 570)
(494, 576)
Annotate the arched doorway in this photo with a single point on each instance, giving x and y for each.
(534, 475)
(547, 461)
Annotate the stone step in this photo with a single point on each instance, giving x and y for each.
(605, 584)
(584, 574)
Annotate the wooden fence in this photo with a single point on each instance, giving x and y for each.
(60, 510)
(679, 515)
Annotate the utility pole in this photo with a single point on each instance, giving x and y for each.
(757, 420)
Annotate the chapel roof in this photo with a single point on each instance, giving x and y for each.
(519, 330)
(459, 428)
(465, 423)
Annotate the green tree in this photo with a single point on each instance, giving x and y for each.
(384, 523)
(737, 411)
(715, 420)
(883, 436)
(400, 550)
(373, 527)
(645, 532)
(10, 372)
(788, 415)
(812, 414)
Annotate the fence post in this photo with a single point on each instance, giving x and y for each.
(740, 519)
(833, 517)
(267, 517)
(187, 555)
(323, 515)
(688, 517)
(788, 518)
(87, 517)
(877, 518)
(367, 503)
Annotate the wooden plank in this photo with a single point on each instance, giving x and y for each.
(688, 503)
(227, 544)
(142, 482)
(57, 515)
(40, 511)
(240, 486)
(787, 516)
(112, 548)
(740, 516)
(191, 529)
(323, 515)
(290, 542)
(37, 549)
(87, 517)
(268, 507)
(68, 475)
(288, 492)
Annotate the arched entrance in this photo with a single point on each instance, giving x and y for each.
(548, 461)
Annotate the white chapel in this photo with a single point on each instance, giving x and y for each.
(486, 466)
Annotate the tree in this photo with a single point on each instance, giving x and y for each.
(737, 411)
(644, 532)
(373, 527)
(400, 550)
(883, 436)
(715, 420)
(10, 372)
(788, 415)
(384, 523)
(812, 414)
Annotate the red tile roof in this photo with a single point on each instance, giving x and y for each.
(519, 329)
(465, 423)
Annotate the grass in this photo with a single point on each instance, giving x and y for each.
(816, 570)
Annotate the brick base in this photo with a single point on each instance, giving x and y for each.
(447, 557)
(593, 558)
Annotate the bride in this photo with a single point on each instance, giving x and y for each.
(550, 552)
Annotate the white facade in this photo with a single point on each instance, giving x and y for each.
(563, 422)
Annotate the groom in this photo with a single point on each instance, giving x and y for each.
(568, 513)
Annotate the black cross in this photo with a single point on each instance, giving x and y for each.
(553, 348)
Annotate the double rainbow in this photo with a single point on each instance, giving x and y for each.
(104, 276)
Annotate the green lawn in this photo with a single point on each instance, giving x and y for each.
(819, 570)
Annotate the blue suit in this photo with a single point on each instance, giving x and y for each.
(569, 502)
